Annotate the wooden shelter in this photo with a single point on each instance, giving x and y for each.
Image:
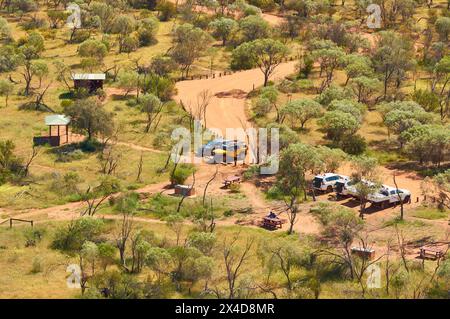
(61, 136)
(90, 81)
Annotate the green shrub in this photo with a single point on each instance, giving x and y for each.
(235, 188)
(67, 157)
(305, 70)
(81, 36)
(181, 174)
(228, 213)
(66, 184)
(70, 238)
(354, 144)
(33, 236)
(166, 10)
(274, 193)
(36, 266)
(90, 146)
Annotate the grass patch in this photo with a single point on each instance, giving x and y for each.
(385, 158)
(430, 213)
(396, 221)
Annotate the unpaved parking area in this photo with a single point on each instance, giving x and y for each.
(227, 110)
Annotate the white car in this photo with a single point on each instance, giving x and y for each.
(350, 188)
(389, 195)
(342, 187)
(327, 181)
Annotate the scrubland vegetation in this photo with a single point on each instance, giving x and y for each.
(372, 103)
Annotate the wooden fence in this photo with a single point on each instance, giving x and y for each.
(220, 74)
(10, 220)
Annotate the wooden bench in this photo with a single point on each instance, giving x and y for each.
(231, 180)
(272, 223)
(431, 253)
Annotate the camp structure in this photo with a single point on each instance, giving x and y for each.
(89, 81)
(58, 131)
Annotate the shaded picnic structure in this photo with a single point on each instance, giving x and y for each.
(90, 81)
(58, 132)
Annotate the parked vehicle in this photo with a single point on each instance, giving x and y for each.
(350, 188)
(341, 187)
(326, 182)
(230, 151)
(389, 195)
(208, 148)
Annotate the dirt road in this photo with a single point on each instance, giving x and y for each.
(227, 105)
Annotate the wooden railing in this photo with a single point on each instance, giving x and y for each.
(10, 220)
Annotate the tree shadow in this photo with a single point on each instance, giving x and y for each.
(66, 96)
(352, 203)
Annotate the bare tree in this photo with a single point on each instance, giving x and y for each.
(34, 154)
(206, 218)
(115, 69)
(399, 198)
(39, 99)
(234, 261)
(140, 166)
(292, 210)
(389, 269)
(109, 159)
(126, 227)
(401, 247)
(93, 203)
(362, 264)
(185, 195)
(207, 185)
(203, 101)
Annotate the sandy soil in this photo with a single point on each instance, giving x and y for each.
(272, 19)
(227, 110)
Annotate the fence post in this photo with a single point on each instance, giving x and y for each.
(10, 223)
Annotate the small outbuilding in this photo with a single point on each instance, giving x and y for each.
(58, 131)
(90, 81)
(365, 253)
(184, 190)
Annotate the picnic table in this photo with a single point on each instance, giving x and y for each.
(272, 223)
(431, 253)
(231, 180)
